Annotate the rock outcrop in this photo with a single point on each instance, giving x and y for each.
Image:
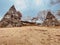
(50, 20)
(12, 18)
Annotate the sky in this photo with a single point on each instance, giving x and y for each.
(28, 7)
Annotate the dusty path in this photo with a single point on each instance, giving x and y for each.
(31, 35)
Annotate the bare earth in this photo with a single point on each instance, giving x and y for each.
(30, 35)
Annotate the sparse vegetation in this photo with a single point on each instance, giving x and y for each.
(30, 35)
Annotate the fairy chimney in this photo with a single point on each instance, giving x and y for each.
(50, 20)
(12, 18)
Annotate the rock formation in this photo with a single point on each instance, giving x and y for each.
(50, 20)
(11, 19)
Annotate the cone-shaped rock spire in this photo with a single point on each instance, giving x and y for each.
(50, 20)
(12, 18)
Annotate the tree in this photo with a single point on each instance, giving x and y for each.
(34, 19)
(27, 18)
(42, 15)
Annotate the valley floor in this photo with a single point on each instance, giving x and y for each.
(30, 35)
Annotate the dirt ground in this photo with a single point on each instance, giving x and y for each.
(30, 35)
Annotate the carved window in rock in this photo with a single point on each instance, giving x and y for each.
(7, 16)
(12, 15)
(15, 18)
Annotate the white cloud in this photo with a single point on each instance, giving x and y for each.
(38, 2)
(20, 4)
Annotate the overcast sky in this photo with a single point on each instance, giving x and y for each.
(28, 7)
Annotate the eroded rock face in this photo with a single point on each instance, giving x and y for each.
(11, 19)
(50, 20)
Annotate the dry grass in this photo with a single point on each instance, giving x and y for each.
(30, 35)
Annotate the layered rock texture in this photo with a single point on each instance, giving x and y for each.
(51, 20)
(12, 18)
